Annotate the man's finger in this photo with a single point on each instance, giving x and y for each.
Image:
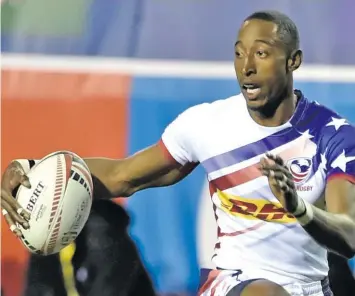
(279, 180)
(277, 168)
(275, 158)
(25, 181)
(14, 209)
(15, 205)
(17, 218)
(280, 176)
(19, 177)
(22, 212)
(262, 163)
(16, 230)
(276, 173)
(9, 220)
(275, 183)
(287, 191)
(283, 186)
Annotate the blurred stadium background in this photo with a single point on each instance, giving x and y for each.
(102, 77)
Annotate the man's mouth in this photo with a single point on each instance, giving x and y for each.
(252, 90)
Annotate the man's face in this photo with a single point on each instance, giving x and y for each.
(260, 63)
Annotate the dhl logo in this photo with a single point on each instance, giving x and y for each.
(254, 209)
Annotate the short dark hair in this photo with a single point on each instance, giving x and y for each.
(287, 29)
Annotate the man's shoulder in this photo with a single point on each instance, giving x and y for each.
(328, 120)
(324, 111)
(331, 130)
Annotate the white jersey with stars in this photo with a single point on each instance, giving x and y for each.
(254, 231)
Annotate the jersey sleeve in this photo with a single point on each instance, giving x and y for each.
(340, 153)
(180, 135)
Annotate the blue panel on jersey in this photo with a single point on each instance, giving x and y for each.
(164, 220)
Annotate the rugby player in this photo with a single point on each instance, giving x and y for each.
(281, 170)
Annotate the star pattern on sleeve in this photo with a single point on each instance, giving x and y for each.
(341, 161)
(337, 123)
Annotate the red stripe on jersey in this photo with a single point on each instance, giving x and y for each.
(237, 178)
(344, 176)
(245, 230)
(211, 277)
(167, 152)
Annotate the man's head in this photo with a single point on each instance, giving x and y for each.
(266, 53)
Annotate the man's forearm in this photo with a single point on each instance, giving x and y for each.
(123, 177)
(106, 178)
(334, 231)
(110, 182)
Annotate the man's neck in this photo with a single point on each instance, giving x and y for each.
(276, 115)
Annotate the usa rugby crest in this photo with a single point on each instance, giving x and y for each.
(300, 169)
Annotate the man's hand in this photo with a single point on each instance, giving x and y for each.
(281, 183)
(14, 176)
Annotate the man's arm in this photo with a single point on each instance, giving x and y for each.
(162, 164)
(159, 165)
(152, 167)
(335, 229)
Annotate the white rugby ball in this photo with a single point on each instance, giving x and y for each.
(59, 202)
